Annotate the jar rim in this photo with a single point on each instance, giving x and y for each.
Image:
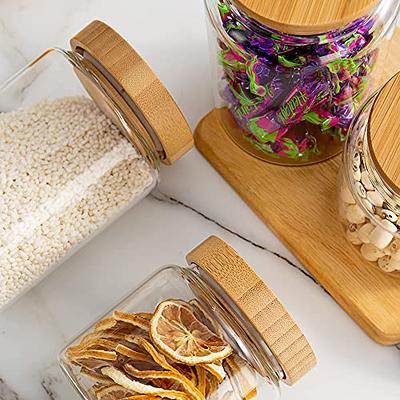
(148, 146)
(379, 30)
(210, 291)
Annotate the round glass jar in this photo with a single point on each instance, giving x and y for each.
(82, 134)
(210, 330)
(290, 82)
(369, 198)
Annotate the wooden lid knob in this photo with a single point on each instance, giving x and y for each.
(306, 17)
(258, 303)
(135, 88)
(384, 132)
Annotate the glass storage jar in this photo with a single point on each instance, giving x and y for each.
(210, 330)
(288, 81)
(369, 198)
(82, 134)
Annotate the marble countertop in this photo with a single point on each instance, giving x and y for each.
(191, 203)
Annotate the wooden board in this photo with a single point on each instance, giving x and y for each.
(299, 205)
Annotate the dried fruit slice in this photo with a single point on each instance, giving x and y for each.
(95, 376)
(188, 371)
(133, 354)
(112, 392)
(137, 320)
(159, 358)
(106, 323)
(121, 379)
(201, 379)
(107, 334)
(242, 376)
(177, 332)
(183, 383)
(205, 317)
(216, 370)
(96, 355)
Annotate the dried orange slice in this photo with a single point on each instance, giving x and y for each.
(201, 379)
(137, 320)
(160, 359)
(205, 317)
(95, 376)
(112, 392)
(106, 323)
(188, 371)
(132, 354)
(177, 332)
(242, 377)
(121, 379)
(183, 383)
(96, 355)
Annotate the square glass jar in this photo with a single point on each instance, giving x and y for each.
(229, 343)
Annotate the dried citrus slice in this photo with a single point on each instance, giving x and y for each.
(159, 358)
(96, 355)
(188, 371)
(132, 354)
(121, 379)
(137, 320)
(201, 379)
(106, 323)
(242, 376)
(216, 370)
(112, 392)
(177, 332)
(95, 376)
(205, 317)
(183, 384)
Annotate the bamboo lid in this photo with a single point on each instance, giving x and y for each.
(306, 17)
(384, 132)
(259, 304)
(147, 106)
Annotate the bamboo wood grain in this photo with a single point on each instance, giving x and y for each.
(299, 205)
(258, 303)
(306, 17)
(139, 87)
(384, 132)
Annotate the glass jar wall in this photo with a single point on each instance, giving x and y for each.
(178, 336)
(369, 202)
(73, 157)
(289, 98)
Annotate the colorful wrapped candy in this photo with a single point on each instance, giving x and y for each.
(294, 97)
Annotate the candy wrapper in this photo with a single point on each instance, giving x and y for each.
(277, 84)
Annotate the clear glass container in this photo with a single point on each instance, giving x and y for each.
(289, 98)
(73, 156)
(195, 307)
(369, 204)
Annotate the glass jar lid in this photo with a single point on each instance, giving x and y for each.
(384, 133)
(306, 17)
(131, 94)
(258, 304)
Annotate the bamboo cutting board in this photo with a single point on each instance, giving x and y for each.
(299, 205)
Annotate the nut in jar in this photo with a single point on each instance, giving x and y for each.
(192, 333)
(369, 199)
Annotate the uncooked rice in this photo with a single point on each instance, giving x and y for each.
(65, 172)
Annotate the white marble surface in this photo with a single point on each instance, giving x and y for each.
(172, 37)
